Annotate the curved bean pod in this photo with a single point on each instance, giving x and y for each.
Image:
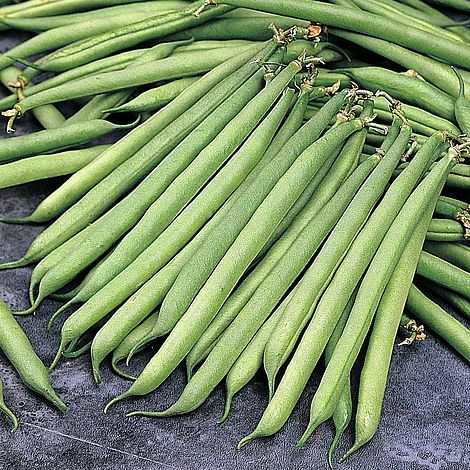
(379, 351)
(455, 253)
(5, 410)
(438, 320)
(444, 273)
(17, 348)
(47, 166)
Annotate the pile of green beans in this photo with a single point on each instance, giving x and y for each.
(280, 180)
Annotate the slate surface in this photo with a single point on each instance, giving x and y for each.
(425, 422)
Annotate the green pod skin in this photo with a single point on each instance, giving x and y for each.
(444, 273)
(216, 187)
(79, 184)
(6, 411)
(363, 22)
(451, 208)
(114, 62)
(397, 15)
(182, 65)
(127, 36)
(455, 253)
(196, 273)
(224, 183)
(47, 166)
(418, 115)
(250, 360)
(17, 348)
(438, 320)
(408, 89)
(462, 5)
(251, 29)
(445, 230)
(341, 167)
(49, 117)
(151, 151)
(308, 292)
(153, 99)
(215, 291)
(129, 342)
(88, 314)
(56, 38)
(254, 194)
(458, 181)
(242, 294)
(312, 284)
(96, 107)
(343, 412)
(461, 304)
(370, 292)
(44, 23)
(54, 139)
(34, 8)
(462, 106)
(156, 202)
(239, 298)
(436, 72)
(374, 372)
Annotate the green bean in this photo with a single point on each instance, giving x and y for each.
(445, 230)
(462, 106)
(455, 253)
(346, 162)
(238, 299)
(319, 273)
(379, 351)
(43, 23)
(215, 44)
(6, 411)
(58, 37)
(187, 64)
(17, 348)
(125, 37)
(252, 29)
(89, 177)
(249, 361)
(146, 299)
(151, 148)
(408, 89)
(217, 191)
(444, 273)
(438, 320)
(250, 199)
(128, 343)
(182, 178)
(371, 289)
(455, 210)
(438, 73)
(463, 5)
(155, 98)
(222, 280)
(47, 166)
(343, 412)
(461, 304)
(180, 296)
(243, 293)
(458, 181)
(398, 16)
(363, 22)
(115, 62)
(53, 7)
(418, 115)
(97, 106)
(55, 139)
(227, 142)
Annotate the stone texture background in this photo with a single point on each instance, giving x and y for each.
(425, 422)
